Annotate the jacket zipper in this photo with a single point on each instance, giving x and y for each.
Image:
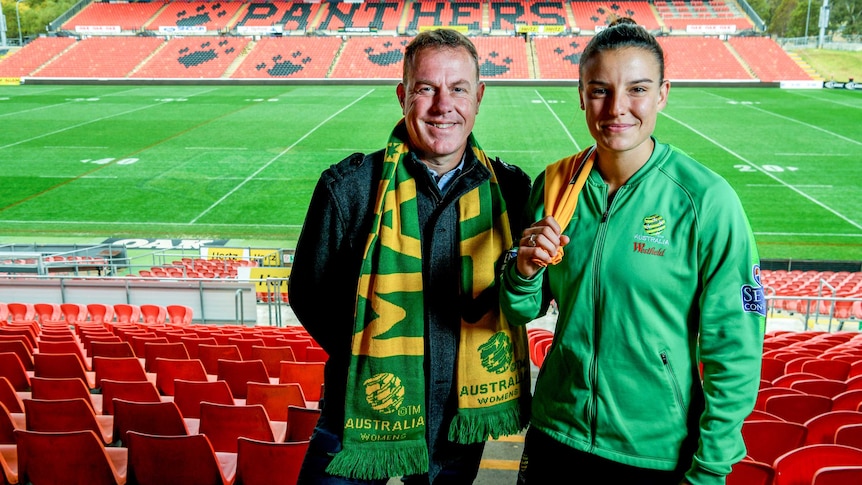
(673, 382)
(597, 258)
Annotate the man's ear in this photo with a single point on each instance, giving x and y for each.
(400, 92)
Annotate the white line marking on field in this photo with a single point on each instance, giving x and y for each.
(821, 99)
(89, 122)
(565, 128)
(797, 234)
(74, 147)
(853, 223)
(149, 223)
(812, 154)
(797, 185)
(216, 148)
(283, 152)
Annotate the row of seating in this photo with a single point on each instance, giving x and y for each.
(224, 428)
(502, 15)
(173, 403)
(53, 457)
(689, 58)
(806, 426)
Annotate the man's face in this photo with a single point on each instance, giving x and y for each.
(440, 103)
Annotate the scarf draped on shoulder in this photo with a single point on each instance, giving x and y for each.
(384, 429)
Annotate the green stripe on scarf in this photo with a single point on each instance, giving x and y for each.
(384, 432)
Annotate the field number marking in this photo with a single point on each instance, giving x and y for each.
(768, 168)
(105, 161)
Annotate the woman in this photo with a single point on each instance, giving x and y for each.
(659, 277)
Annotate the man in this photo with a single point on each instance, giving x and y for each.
(395, 276)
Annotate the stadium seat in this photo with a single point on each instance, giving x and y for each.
(158, 418)
(187, 460)
(261, 462)
(800, 465)
(224, 424)
(56, 457)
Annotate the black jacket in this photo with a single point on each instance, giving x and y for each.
(329, 255)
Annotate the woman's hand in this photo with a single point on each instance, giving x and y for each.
(538, 246)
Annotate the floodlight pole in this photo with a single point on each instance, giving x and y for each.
(807, 17)
(3, 29)
(823, 23)
(18, 18)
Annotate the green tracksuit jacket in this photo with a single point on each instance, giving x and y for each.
(661, 280)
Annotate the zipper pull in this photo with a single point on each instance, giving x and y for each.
(605, 216)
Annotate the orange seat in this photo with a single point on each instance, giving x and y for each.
(13, 370)
(25, 331)
(159, 418)
(275, 398)
(822, 387)
(127, 313)
(135, 391)
(211, 354)
(180, 314)
(19, 348)
(849, 435)
(67, 415)
(829, 369)
(267, 463)
(74, 313)
(238, 373)
(65, 347)
(244, 345)
(309, 376)
(168, 370)
(797, 408)
(21, 311)
(767, 440)
(190, 394)
(111, 349)
(139, 343)
(838, 475)
(748, 472)
(186, 460)
(10, 422)
(100, 313)
(10, 398)
(62, 365)
(66, 457)
(272, 357)
(313, 353)
(193, 341)
(800, 465)
(169, 350)
(225, 423)
(301, 423)
(154, 314)
(119, 369)
(54, 388)
(822, 428)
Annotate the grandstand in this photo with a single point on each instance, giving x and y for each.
(527, 40)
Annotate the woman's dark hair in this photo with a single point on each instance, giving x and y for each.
(623, 32)
(438, 39)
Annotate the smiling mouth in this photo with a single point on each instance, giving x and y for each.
(442, 125)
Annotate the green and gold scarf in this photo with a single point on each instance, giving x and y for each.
(384, 432)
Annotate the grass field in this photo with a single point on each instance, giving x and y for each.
(240, 163)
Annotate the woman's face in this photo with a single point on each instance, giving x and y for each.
(622, 93)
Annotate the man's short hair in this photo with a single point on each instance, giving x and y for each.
(438, 39)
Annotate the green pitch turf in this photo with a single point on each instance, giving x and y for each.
(240, 162)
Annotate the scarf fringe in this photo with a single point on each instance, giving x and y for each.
(475, 425)
(380, 461)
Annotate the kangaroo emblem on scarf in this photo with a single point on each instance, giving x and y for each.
(384, 432)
